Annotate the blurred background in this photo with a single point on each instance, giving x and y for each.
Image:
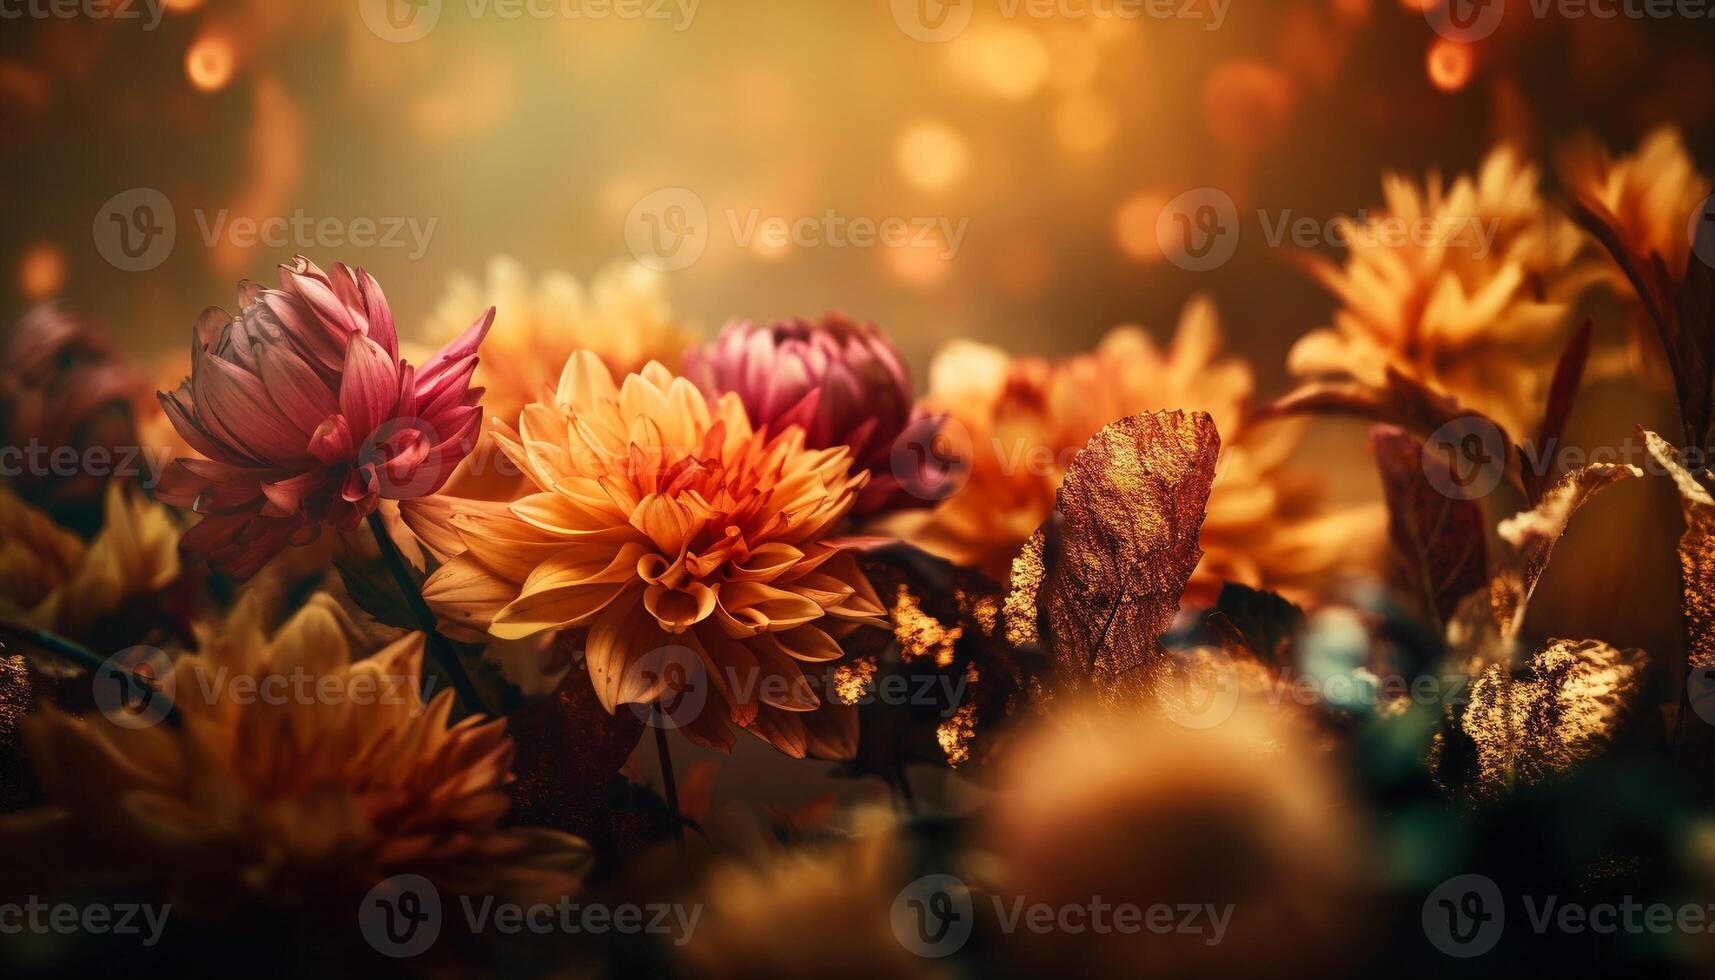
(1029, 148)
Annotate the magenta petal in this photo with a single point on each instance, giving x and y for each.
(380, 315)
(321, 299)
(463, 346)
(296, 388)
(175, 405)
(236, 405)
(370, 387)
(332, 441)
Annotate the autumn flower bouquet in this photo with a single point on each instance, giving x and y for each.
(428, 648)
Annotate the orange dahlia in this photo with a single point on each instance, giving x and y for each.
(663, 525)
(1027, 419)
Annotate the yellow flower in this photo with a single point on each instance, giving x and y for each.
(623, 317)
(820, 911)
(1467, 288)
(1651, 198)
(1246, 815)
(53, 580)
(657, 520)
(293, 772)
(1027, 418)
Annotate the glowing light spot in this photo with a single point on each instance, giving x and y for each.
(209, 63)
(182, 6)
(1247, 104)
(42, 272)
(1006, 60)
(1134, 227)
(1085, 123)
(956, 734)
(931, 155)
(1451, 65)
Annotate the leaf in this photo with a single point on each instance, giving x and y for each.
(1268, 624)
(1439, 540)
(1405, 403)
(1565, 706)
(371, 586)
(1696, 553)
(1568, 375)
(1682, 309)
(957, 684)
(569, 753)
(1129, 514)
(1486, 626)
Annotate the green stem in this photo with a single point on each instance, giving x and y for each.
(439, 646)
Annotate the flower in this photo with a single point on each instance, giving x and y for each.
(1246, 815)
(65, 387)
(814, 911)
(307, 415)
(1028, 418)
(295, 774)
(1469, 289)
(844, 382)
(53, 580)
(661, 520)
(1649, 199)
(622, 316)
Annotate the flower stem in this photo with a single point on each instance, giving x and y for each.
(671, 785)
(77, 653)
(439, 646)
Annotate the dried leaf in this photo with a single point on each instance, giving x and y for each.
(569, 753)
(1130, 511)
(1439, 541)
(1484, 629)
(956, 682)
(1562, 708)
(1696, 554)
